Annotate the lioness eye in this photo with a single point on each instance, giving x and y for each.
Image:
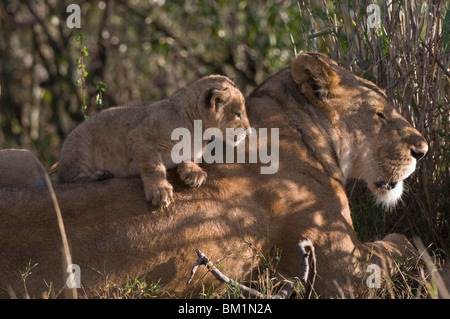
(238, 115)
(381, 116)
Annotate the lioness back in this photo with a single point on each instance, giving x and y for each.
(131, 141)
(20, 168)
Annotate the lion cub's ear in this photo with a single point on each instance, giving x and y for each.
(316, 78)
(217, 98)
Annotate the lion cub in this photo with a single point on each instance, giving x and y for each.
(130, 141)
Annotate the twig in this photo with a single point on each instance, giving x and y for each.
(306, 250)
(66, 250)
(302, 247)
(200, 261)
(203, 260)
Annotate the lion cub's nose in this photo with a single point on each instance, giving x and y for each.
(418, 151)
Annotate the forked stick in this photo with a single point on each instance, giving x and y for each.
(304, 247)
(203, 260)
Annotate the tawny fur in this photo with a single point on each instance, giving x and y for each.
(133, 141)
(20, 168)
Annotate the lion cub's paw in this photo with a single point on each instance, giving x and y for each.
(192, 174)
(160, 194)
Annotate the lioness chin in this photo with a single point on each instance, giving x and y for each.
(130, 141)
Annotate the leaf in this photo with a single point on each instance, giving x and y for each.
(318, 34)
(102, 86)
(327, 30)
(98, 100)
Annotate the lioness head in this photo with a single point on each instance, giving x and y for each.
(224, 107)
(375, 143)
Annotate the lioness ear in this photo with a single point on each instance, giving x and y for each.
(217, 98)
(316, 78)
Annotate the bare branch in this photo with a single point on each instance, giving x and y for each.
(203, 260)
(200, 261)
(306, 250)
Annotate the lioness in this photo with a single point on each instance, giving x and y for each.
(129, 141)
(20, 168)
(371, 120)
(329, 131)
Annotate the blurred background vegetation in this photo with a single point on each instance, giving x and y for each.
(135, 52)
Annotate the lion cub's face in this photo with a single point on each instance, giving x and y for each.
(225, 108)
(376, 143)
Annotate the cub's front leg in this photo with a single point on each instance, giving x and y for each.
(191, 174)
(151, 167)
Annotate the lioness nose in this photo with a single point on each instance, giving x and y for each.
(419, 150)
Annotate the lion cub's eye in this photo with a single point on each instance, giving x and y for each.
(238, 115)
(381, 116)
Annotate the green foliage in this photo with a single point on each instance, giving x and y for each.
(83, 73)
(133, 288)
(100, 87)
(28, 270)
(367, 217)
(24, 275)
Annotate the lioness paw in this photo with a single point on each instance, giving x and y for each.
(160, 194)
(192, 174)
